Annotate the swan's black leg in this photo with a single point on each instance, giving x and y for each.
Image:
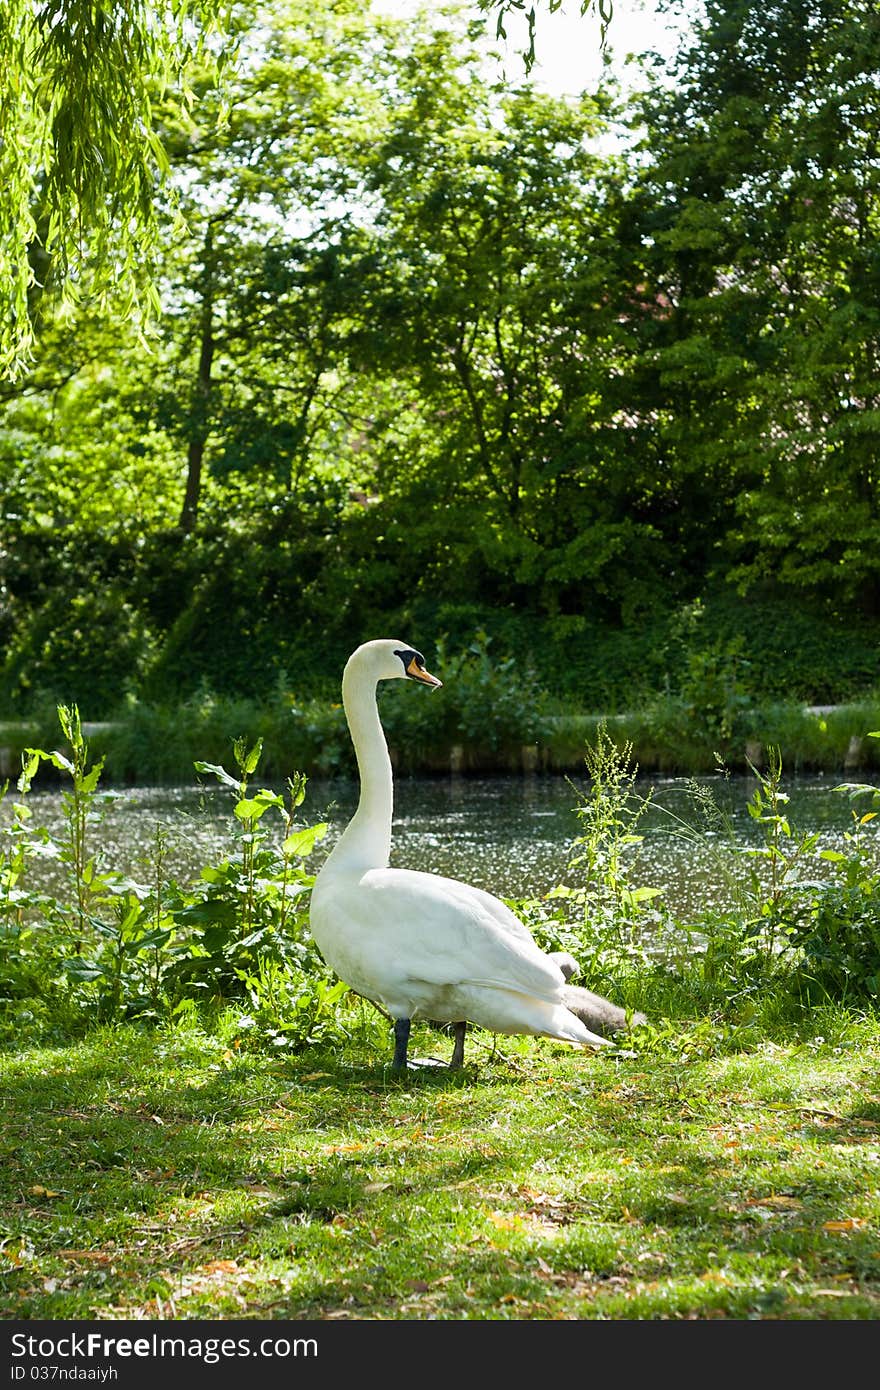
(401, 1042)
(458, 1032)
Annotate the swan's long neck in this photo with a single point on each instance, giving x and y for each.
(366, 840)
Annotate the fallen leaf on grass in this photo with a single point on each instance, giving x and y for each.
(776, 1200)
(852, 1223)
(542, 1199)
(503, 1221)
(38, 1191)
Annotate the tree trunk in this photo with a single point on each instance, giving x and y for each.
(200, 422)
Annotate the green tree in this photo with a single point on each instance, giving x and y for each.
(240, 370)
(79, 155)
(251, 366)
(496, 294)
(757, 215)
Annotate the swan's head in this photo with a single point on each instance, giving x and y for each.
(387, 659)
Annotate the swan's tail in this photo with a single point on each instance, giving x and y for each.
(596, 1013)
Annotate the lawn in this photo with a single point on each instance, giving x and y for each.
(175, 1175)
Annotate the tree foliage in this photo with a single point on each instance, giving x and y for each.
(430, 357)
(759, 212)
(82, 157)
(79, 155)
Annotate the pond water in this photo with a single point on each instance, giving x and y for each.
(512, 836)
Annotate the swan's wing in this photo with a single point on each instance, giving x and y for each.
(447, 933)
(494, 906)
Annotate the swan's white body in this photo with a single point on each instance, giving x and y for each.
(420, 945)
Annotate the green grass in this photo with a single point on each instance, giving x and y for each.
(173, 1174)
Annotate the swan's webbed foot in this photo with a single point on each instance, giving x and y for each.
(401, 1043)
(457, 1059)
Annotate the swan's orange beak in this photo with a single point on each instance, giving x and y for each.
(419, 673)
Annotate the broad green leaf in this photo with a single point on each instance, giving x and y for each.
(219, 772)
(151, 940)
(81, 969)
(57, 760)
(641, 895)
(92, 777)
(266, 798)
(250, 808)
(302, 842)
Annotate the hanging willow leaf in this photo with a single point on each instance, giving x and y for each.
(80, 160)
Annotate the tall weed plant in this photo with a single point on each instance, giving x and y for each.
(792, 938)
(602, 916)
(108, 947)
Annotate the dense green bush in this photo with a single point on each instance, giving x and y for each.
(156, 744)
(239, 611)
(489, 708)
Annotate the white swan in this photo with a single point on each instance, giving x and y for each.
(420, 945)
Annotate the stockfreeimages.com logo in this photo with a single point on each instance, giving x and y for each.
(94, 1345)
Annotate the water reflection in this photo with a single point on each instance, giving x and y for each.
(512, 836)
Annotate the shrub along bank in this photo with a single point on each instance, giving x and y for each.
(488, 718)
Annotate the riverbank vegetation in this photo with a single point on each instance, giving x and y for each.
(492, 716)
(106, 946)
